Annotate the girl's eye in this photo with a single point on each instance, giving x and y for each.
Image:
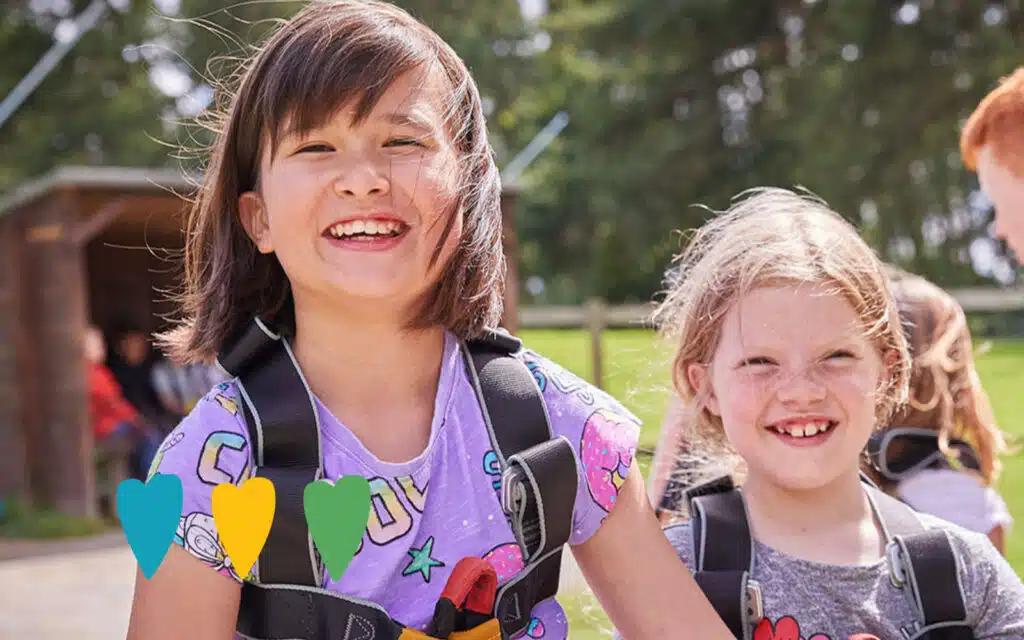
(404, 142)
(835, 355)
(316, 148)
(755, 361)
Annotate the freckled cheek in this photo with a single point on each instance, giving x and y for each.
(858, 394)
(741, 401)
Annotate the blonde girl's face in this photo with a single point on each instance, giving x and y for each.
(357, 209)
(794, 381)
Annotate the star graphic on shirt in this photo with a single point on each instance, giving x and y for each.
(421, 560)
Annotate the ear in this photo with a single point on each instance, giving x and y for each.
(699, 377)
(254, 218)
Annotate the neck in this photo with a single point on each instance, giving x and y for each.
(833, 523)
(362, 363)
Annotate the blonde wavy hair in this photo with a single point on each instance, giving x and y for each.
(945, 391)
(768, 237)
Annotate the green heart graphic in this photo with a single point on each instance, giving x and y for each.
(337, 515)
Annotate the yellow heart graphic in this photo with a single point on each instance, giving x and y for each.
(243, 516)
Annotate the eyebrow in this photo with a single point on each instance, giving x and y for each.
(415, 119)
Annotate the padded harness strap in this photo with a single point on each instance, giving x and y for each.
(289, 612)
(724, 553)
(284, 431)
(539, 484)
(924, 561)
(539, 473)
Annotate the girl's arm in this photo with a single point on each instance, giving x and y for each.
(184, 599)
(641, 583)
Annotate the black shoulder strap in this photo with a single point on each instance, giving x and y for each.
(539, 473)
(924, 561)
(284, 431)
(724, 553)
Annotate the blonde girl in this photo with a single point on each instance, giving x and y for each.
(790, 353)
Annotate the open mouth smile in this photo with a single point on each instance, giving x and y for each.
(367, 234)
(804, 432)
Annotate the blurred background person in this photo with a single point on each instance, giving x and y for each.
(992, 144)
(941, 452)
(116, 424)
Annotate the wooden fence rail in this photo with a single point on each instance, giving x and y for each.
(595, 316)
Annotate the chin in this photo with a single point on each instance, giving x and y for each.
(797, 479)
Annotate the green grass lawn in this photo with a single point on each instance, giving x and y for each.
(636, 369)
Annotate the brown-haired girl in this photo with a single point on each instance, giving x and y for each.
(941, 452)
(790, 352)
(352, 198)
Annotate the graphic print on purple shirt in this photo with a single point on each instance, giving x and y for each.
(426, 513)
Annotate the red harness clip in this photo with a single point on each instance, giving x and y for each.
(471, 589)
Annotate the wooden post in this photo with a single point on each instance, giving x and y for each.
(14, 472)
(595, 325)
(65, 437)
(510, 317)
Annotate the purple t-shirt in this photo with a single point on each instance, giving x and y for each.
(428, 513)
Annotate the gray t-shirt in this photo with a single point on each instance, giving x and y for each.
(806, 600)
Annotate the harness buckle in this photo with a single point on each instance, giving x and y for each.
(754, 602)
(513, 493)
(894, 558)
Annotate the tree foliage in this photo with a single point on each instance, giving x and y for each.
(673, 103)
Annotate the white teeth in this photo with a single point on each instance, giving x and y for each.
(367, 227)
(805, 430)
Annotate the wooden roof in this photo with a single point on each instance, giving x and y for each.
(121, 202)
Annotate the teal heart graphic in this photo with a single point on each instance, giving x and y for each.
(149, 515)
(337, 516)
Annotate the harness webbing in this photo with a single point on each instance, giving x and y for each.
(922, 561)
(539, 484)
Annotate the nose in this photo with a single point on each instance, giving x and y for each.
(361, 177)
(801, 389)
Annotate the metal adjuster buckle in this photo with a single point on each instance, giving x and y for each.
(894, 557)
(513, 493)
(755, 602)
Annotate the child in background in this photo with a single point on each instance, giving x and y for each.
(942, 449)
(790, 353)
(112, 417)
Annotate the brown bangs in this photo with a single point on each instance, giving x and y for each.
(357, 61)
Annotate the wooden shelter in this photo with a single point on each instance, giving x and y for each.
(78, 246)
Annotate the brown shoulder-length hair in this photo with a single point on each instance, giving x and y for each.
(945, 391)
(330, 54)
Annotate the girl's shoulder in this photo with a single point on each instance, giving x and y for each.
(680, 535)
(209, 447)
(993, 591)
(604, 436)
(568, 391)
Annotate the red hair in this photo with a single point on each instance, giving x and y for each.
(998, 120)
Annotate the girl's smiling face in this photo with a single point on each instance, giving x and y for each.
(795, 382)
(358, 209)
